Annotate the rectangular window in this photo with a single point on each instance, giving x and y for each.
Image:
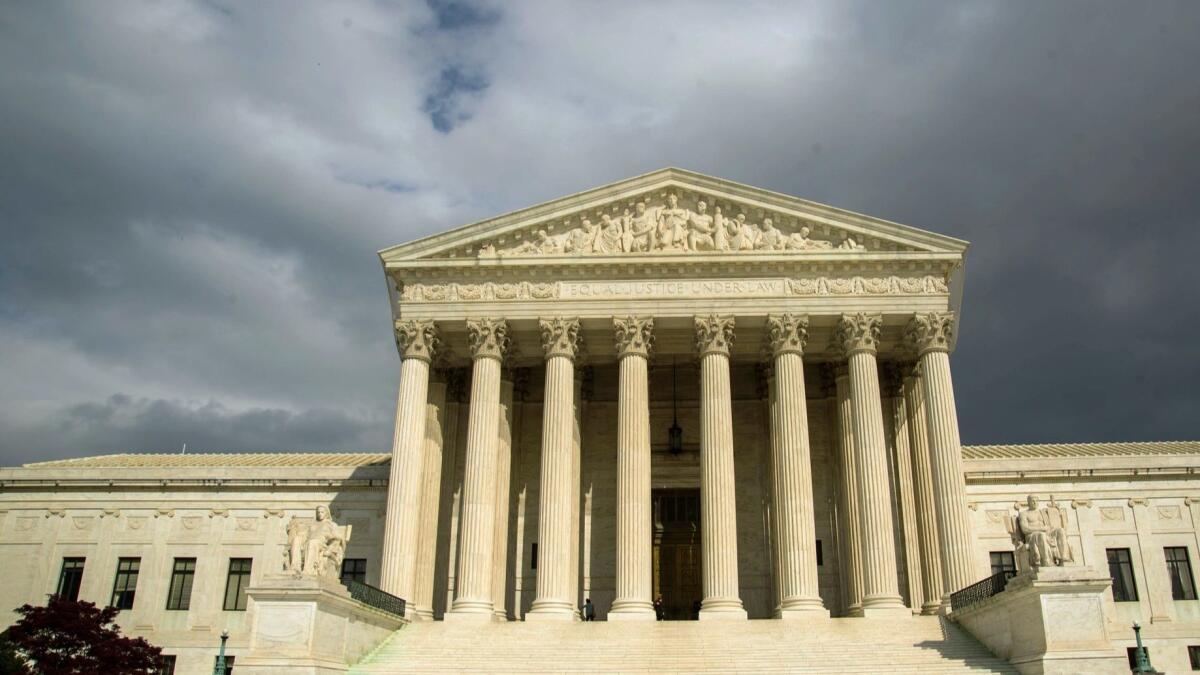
(1003, 561)
(166, 664)
(1179, 568)
(354, 569)
(236, 583)
(179, 595)
(1120, 567)
(70, 578)
(228, 664)
(125, 585)
(1194, 656)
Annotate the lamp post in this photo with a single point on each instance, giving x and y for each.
(220, 667)
(1142, 658)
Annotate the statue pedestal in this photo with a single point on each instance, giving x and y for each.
(309, 625)
(1049, 621)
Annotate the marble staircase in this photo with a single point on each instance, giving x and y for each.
(907, 645)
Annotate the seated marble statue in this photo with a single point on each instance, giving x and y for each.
(316, 547)
(1040, 536)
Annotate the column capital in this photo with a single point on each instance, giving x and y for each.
(634, 335)
(787, 333)
(859, 332)
(930, 332)
(416, 338)
(560, 336)
(714, 334)
(488, 338)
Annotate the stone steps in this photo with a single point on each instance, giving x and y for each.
(905, 645)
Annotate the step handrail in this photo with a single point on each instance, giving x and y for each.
(980, 590)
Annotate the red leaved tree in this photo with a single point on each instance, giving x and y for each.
(73, 637)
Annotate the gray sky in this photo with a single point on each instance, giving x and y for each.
(192, 194)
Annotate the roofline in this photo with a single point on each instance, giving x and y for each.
(669, 173)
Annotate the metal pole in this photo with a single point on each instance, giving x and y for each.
(1143, 659)
(220, 667)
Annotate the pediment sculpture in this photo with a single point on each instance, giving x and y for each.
(1039, 536)
(316, 546)
(668, 227)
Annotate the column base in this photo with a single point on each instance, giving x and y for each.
(722, 609)
(886, 612)
(632, 615)
(723, 615)
(802, 613)
(931, 608)
(546, 616)
(470, 611)
(468, 617)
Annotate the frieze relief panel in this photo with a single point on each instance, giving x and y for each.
(676, 221)
(777, 287)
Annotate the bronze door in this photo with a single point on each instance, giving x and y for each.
(677, 572)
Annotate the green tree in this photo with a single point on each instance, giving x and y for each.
(73, 637)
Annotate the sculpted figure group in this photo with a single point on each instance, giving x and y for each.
(671, 227)
(1039, 536)
(316, 546)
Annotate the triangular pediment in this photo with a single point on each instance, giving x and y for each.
(673, 212)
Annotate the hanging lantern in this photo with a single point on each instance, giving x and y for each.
(675, 433)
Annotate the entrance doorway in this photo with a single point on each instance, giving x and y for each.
(677, 572)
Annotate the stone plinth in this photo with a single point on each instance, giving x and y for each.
(309, 626)
(1049, 621)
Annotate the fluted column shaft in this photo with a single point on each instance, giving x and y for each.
(718, 504)
(431, 492)
(792, 489)
(881, 595)
(932, 334)
(848, 496)
(927, 533)
(555, 596)
(416, 340)
(473, 599)
(634, 573)
(504, 441)
(904, 491)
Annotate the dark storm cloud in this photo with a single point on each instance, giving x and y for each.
(191, 194)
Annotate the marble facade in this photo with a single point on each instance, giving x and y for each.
(803, 351)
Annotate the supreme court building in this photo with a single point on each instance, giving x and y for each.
(673, 388)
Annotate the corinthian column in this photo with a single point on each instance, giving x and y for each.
(431, 494)
(504, 441)
(489, 341)
(931, 334)
(927, 532)
(859, 337)
(416, 339)
(718, 505)
(851, 536)
(634, 587)
(559, 473)
(792, 489)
